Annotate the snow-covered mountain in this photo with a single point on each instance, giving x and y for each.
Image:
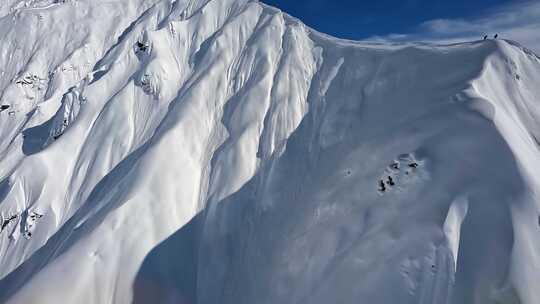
(219, 151)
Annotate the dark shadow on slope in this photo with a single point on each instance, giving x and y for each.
(35, 138)
(169, 272)
(485, 251)
(4, 189)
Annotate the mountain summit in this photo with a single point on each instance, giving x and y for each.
(221, 152)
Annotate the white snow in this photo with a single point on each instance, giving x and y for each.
(219, 151)
(452, 226)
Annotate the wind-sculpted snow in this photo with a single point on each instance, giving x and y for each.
(219, 151)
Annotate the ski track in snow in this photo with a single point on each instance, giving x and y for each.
(219, 151)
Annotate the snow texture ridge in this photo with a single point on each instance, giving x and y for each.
(219, 151)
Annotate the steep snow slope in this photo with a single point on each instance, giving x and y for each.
(221, 152)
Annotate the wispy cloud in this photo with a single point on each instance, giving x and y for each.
(518, 21)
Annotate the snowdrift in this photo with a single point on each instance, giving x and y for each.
(219, 151)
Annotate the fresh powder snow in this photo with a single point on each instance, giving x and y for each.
(221, 152)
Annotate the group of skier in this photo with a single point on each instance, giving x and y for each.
(494, 37)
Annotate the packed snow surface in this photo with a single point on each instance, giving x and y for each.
(221, 152)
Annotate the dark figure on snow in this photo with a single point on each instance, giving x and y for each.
(391, 181)
(496, 36)
(485, 37)
(413, 165)
(142, 46)
(382, 187)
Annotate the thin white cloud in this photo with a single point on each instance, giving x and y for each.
(519, 22)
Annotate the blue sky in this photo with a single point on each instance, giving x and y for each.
(420, 20)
